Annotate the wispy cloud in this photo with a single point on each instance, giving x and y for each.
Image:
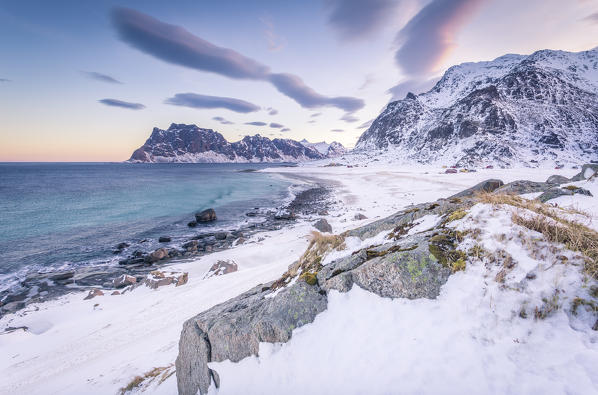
(366, 124)
(94, 75)
(195, 100)
(348, 117)
(430, 36)
(285, 130)
(256, 123)
(272, 111)
(312, 121)
(275, 125)
(223, 121)
(593, 18)
(275, 41)
(337, 130)
(5, 80)
(176, 45)
(122, 104)
(316, 114)
(358, 19)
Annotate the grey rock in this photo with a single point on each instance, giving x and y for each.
(234, 329)
(521, 187)
(359, 217)
(123, 281)
(484, 186)
(221, 268)
(323, 226)
(164, 239)
(157, 255)
(208, 215)
(62, 276)
(221, 235)
(587, 171)
(557, 179)
(556, 192)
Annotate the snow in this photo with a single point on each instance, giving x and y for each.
(469, 339)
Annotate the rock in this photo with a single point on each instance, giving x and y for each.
(484, 186)
(220, 268)
(115, 293)
(233, 330)
(192, 224)
(122, 246)
(131, 261)
(521, 187)
(182, 279)
(557, 179)
(323, 226)
(93, 293)
(587, 171)
(206, 215)
(62, 276)
(359, 217)
(157, 255)
(285, 216)
(451, 171)
(221, 235)
(157, 279)
(554, 193)
(191, 246)
(164, 239)
(123, 280)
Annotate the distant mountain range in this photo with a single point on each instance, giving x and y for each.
(189, 143)
(513, 110)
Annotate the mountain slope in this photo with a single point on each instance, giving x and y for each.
(513, 110)
(189, 143)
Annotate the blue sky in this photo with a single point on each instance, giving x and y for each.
(88, 80)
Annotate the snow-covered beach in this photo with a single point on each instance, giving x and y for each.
(466, 340)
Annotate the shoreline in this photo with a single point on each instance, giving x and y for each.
(102, 344)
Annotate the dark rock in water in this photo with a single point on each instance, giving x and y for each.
(359, 217)
(221, 235)
(157, 255)
(131, 261)
(206, 215)
(233, 330)
(192, 224)
(323, 226)
(62, 276)
(557, 179)
(191, 246)
(123, 280)
(285, 216)
(122, 246)
(164, 239)
(523, 186)
(484, 186)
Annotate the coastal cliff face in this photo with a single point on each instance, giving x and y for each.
(513, 110)
(189, 143)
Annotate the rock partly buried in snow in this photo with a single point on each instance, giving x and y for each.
(557, 179)
(554, 193)
(158, 279)
(221, 267)
(359, 217)
(323, 226)
(93, 293)
(233, 330)
(484, 186)
(206, 215)
(587, 171)
(522, 187)
(123, 280)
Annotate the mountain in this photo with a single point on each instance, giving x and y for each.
(189, 143)
(329, 150)
(515, 109)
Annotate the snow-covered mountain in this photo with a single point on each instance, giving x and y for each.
(329, 150)
(189, 143)
(513, 110)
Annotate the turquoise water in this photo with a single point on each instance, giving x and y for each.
(59, 214)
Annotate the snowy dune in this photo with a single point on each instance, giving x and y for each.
(466, 340)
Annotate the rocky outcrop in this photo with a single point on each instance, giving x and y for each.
(221, 268)
(323, 226)
(510, 111)
(208, 215)
(189, 143)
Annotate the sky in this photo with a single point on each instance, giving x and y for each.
(88, 80)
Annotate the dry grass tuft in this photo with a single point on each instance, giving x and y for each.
(549, 222)
(310, 262)
(148, 377)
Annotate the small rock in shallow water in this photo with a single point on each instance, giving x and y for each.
(206, 215)
(192, 224)
(220, 236)
(157, 255)
(164, 239)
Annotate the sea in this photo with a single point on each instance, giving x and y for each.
(57, 216)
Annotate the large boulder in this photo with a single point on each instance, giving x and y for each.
(157, 255)
(222, 267)
(522, 187)
(587, 171)
(123, 281)
(206, 215)
(484, 186)
(554, 193)
(557, 179)
(234, 329)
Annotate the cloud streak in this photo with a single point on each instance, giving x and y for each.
(430, 36)
(194, 100)
(5, 80)
(349, 118)
(94, 75)
(122, 104)
(223, 121)
(593, 18)
(275, 125)
(358, 19)
(256, 123)
(176, 45)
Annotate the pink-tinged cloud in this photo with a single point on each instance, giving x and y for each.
(430, 36)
